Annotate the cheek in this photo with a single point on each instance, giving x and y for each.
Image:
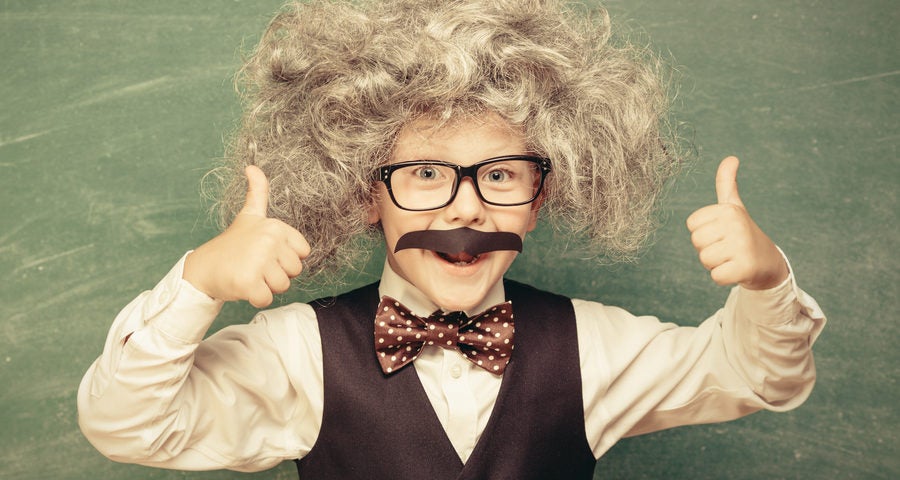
(519, 221)
(395, 222)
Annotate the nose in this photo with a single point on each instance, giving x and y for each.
(467, 208)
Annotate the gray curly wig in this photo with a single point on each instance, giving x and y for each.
(331, 84)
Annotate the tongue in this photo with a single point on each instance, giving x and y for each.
(461, 257)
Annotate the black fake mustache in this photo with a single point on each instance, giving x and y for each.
(460, 240)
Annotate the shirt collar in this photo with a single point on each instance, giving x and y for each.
(395, 286)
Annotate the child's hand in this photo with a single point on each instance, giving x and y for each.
(730, 244)
(254, 257)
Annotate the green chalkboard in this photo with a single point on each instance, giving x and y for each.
(112, 111)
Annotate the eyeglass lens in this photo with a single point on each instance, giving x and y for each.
(424, 185)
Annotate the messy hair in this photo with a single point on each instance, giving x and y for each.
(331, 84)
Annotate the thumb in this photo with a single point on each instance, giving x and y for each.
(726, 182)
(257, 200)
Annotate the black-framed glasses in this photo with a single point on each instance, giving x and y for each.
(505, 181)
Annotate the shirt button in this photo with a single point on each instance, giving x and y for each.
(164, 296)
(455, 371)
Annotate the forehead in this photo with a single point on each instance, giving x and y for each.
(462, 141)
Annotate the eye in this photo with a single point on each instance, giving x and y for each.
(427, 172)
(498, 175)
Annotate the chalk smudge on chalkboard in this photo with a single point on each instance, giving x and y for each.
(125, 91)
(22, 138)
(40, 261)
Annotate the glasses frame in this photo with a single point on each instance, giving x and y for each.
(384, 175)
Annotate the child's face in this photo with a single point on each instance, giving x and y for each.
(454, 285)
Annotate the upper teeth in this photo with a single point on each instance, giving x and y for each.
(458, 261)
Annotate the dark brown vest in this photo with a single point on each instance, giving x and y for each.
(378, 427)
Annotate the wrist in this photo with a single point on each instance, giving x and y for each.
(191, 273)
(771, 279)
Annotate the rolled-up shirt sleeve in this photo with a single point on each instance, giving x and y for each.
(160, 396)
(642, 375)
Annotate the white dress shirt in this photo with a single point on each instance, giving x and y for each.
(251, 396)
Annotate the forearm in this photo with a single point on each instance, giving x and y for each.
(640, 375)
(769, 337)
(128, 399)
(130, 414)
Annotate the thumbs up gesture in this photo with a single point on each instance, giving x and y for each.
(254, 258)
(729, 243)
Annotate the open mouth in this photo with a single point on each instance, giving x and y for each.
(460, 259)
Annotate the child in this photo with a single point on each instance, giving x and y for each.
(445, 127)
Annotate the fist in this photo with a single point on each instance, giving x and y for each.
(729, 243)
(254, 258)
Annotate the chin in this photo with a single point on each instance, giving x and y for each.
(452, 303)
(455, 294)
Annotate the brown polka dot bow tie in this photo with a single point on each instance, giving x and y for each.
(485, 339)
